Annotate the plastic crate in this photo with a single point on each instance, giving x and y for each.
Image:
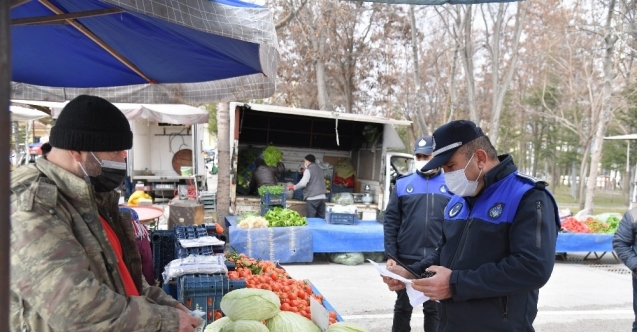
(163, 248)
(340, 218)
(265, 208)
(271, 199)
(338, 189)
(204, 292)
(170, 288)
(298, 194)
(208, 199)
(290, 176)
(193, 232)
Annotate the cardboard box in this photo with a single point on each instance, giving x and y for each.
(185, 213)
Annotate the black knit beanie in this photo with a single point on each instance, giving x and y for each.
(310, 158)
(90, 123)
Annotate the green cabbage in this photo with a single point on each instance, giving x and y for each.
(346, 327)
(218, 324)
(245, 326)
(250, 304)
(287, 321)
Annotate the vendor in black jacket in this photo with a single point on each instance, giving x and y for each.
(498, 238)
(413, 223)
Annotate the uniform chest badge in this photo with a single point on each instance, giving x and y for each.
(496, 211)
(443, 189)
(455, 209)
(410, 188)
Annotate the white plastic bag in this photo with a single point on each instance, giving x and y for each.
(194, 264)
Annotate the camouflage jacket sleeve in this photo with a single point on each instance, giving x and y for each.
(158, 295)
(54, 277)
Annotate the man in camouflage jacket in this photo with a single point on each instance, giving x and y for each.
(64, 270)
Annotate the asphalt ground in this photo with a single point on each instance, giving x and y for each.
(579, 297)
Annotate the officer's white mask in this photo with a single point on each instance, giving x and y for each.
(459, 184)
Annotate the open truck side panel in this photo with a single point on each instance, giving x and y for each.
(365, 140)
(151, 158)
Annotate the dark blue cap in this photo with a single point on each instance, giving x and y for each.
(450, 137)
(424, 145)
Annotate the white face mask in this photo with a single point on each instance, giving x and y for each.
(458, 183)
(419, 164)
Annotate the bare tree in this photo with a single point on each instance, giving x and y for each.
(418, 87)
(467, 59)
(610, 38)
(494, 46)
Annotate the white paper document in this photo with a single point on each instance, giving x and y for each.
(415, 297)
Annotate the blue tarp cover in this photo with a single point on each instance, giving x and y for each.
(364, 236)
(282, 244)
(571, 242)
(368, 236)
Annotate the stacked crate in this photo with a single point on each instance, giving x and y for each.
(269, 201)
(202, 291)
(209, 201)
(163, 248)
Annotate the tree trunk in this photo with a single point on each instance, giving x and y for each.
(467, 59)
(414, 51)
(452, 82)
(609, 41)
(321, 83)
(500, 88)
(223, 157)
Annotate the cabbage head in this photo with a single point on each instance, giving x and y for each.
(346, 327)
(287, 321)
(218, 324)
(250, 304)
(245, 326)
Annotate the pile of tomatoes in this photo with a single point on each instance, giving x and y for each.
(294, 294)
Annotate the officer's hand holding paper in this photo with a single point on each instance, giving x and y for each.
(415, 297)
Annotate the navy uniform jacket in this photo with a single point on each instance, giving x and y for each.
(414, 215)
(500, 246)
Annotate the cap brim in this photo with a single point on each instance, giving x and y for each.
(425, 151)
(439, 160)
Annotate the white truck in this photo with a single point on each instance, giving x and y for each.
(367, 141)
(166, 138)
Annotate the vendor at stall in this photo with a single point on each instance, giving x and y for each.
(263, 176)
(313, 185)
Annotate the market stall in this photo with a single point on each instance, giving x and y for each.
(367, 236)
(227, 287)
(363, 236)
(592, 244)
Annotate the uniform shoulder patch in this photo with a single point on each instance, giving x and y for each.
(496, 210)
(443, 189)
(539, 184)
(455, 209)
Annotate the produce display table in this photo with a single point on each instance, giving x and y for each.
(364, 236)
(585, 242)
(277, 244)
(367, 236)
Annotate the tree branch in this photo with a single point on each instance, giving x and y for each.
(282, 23)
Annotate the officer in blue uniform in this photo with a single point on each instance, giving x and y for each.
(413, 222)
(498, 238)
